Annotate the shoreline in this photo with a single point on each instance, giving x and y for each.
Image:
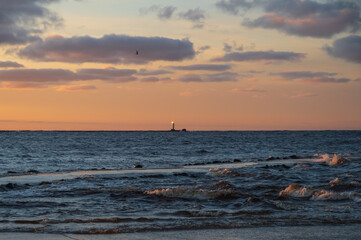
(292, 232)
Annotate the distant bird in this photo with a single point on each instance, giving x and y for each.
(136, 52)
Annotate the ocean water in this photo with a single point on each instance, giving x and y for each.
(86, 182)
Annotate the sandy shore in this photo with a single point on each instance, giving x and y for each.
(309, 232)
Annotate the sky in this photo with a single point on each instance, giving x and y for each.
(206, 64)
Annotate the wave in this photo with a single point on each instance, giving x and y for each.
(215, 172)
(295, 190)
(298, 191)
(335, 160)
(324, 195)
(190, 193)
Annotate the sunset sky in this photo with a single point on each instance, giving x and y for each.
(206, 64)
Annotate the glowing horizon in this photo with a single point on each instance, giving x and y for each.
(207, 65)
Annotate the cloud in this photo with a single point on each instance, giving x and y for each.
(202, 49)
(162, 12)
(217, 77)
(109, 49)
(204, 67)
(347, 48)
(75, 88)
(312, 77)
(145, 72)
(109, 75)
(234, 6)
(260, 56)
(166, 12)
(49, 76)
(300, 17)
(227, 47)
(156, 79)
(21, 78)
(9, 64)
(196, 16)
(22, 21)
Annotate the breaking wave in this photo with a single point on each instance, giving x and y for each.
(298, 191)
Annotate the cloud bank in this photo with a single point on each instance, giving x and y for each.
(347, 48)
(109, 49)
(312, 77)
(21, 21)
(203, 67)
(305, 18)
(260, 56)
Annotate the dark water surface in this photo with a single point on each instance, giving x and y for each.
(84, 182)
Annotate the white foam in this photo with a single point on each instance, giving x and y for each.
(215, 172)
(324, 195)
(295, 190)
(335, 160)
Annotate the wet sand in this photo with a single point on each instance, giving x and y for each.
(301, 232)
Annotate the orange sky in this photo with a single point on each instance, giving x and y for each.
(207, 65)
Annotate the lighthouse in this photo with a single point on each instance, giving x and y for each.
(173, 128)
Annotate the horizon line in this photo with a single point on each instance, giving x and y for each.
(249, 130)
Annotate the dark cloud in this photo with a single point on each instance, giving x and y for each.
(217, 77)
(347, 48)
(260, 56)
(145, 72)
(312, 77)
(202, 49)
(229, 48)
(109, 49)
(300, 17)
(166, 12)
(9, 64)
(234, 6)
(49, 76)
(205, 67)
(21, 21)
(304, 74)
(163, 13)
(196, 16)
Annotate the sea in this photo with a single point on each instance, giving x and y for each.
(144, 181)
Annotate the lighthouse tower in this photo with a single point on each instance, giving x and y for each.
(173, 129)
